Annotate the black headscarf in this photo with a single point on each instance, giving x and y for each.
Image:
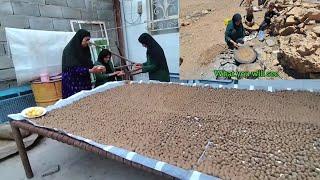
(76, 55)
(235, 18)
(154, 50)
(103, 54)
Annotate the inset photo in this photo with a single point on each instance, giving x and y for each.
(247, 39)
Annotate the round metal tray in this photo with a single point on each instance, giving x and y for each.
(245, 55)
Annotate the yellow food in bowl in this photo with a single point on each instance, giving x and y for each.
(34, 112)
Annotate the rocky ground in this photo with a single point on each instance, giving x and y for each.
(261, 135)
(299, 38)
(203, 47)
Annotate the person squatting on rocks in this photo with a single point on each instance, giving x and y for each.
(268, 16)
(249, 18)
(235, 32)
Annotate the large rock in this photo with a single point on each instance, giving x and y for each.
(300, 52)
(297, 12)
(316, 30)
(287, 31)
(280, 20)
(306, 50)
(312, 14)
(317, 52)
(290, 21)
(311, 36)
(310, 5)
(312, 22)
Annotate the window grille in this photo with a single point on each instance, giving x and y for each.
(163, 16)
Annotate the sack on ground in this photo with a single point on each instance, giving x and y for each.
(6, 132)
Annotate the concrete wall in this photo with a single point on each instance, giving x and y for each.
(52, 15)
(169, 41)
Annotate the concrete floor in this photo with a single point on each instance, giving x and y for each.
(74, 164)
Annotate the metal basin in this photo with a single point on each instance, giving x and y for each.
(245, 55)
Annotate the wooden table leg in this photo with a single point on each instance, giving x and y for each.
(22, 151)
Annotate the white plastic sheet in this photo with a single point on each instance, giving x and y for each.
(35, 52)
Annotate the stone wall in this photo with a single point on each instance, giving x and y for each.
(51, 15)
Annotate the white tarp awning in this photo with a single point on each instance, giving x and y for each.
(35, 52)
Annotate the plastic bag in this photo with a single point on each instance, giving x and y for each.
(261, 35)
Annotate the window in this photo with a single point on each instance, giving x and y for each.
(163, 16)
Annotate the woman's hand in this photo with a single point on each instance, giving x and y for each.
(236, 45)
(93, 70)
(101, 68)
(134, 72)
(113, 74)
(120, 73)
(97, 69)
(138, 66)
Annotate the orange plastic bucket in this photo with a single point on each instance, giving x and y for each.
(47, 93)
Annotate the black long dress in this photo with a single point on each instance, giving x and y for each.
(76, 62)
(156, 64)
